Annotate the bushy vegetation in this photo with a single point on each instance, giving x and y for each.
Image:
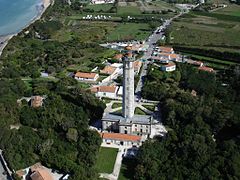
(202, 140)
(56, 134)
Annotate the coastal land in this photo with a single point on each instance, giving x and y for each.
(5, 38)
(47, 110)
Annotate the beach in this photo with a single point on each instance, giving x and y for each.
(4, 39)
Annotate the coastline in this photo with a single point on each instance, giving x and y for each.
(5, 38)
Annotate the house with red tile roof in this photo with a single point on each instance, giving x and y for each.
(205, 68)
(83, 76)
(108, 70)
(105, 91)
(164, 49)
(195, 63)
(37, 101)
(121, 139)
(137, 66)
(169, 67)
(39, 172)
(118, 57)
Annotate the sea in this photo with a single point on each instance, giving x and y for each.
(17, 14)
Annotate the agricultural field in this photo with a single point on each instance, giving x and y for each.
(106, 159)
(218, 31)
(126, 31)
(137, 8)
(201, 29)
(232, 9)
(100, 7)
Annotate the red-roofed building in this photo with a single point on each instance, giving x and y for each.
(121, 139)
(108, 70)
(36, 101)
(195, 63)
(105, 91)
(118, 57)
(164, 49)
(169, 67)
(38, 172)
(137, 66)
(205, 68)
(82, 76)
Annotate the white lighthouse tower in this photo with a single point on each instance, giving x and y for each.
(128, 86)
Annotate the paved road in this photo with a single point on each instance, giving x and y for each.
(152, 40)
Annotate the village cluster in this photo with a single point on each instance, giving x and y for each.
(163, 57)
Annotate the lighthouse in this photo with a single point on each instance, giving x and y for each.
(128, 86)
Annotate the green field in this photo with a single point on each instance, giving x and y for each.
(106, 159)
(149, 107)
(126, 31)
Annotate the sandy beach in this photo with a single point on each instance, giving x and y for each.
(4, 39)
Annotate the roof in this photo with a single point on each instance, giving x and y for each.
(39, 172)
(118, 56)
(164, 54)
(36, 101)
(108, 70)
(21, 173)
(205, 68)
(170, 64)
(173, 56)
(137, 64)
(198, 63)
(119, 136)
(85, 75)
(129, 54)
(111, 89)
(166, 49)
(137, 119)
(137, 47)
(128, 47)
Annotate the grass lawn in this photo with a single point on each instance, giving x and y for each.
(106, 159)
(127, 31)
(116, 105)
(127, 169)
(118, 112)
(139, 111)
(149, 107)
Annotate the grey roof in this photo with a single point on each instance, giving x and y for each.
(136, 119)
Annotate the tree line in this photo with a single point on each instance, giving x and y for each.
(203, 128)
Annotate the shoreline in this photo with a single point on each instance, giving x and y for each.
(5, 38)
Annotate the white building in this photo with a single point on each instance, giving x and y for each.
(121, 139)
(105, 91)
(82, 76)
(102, 1)
(169, 67)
